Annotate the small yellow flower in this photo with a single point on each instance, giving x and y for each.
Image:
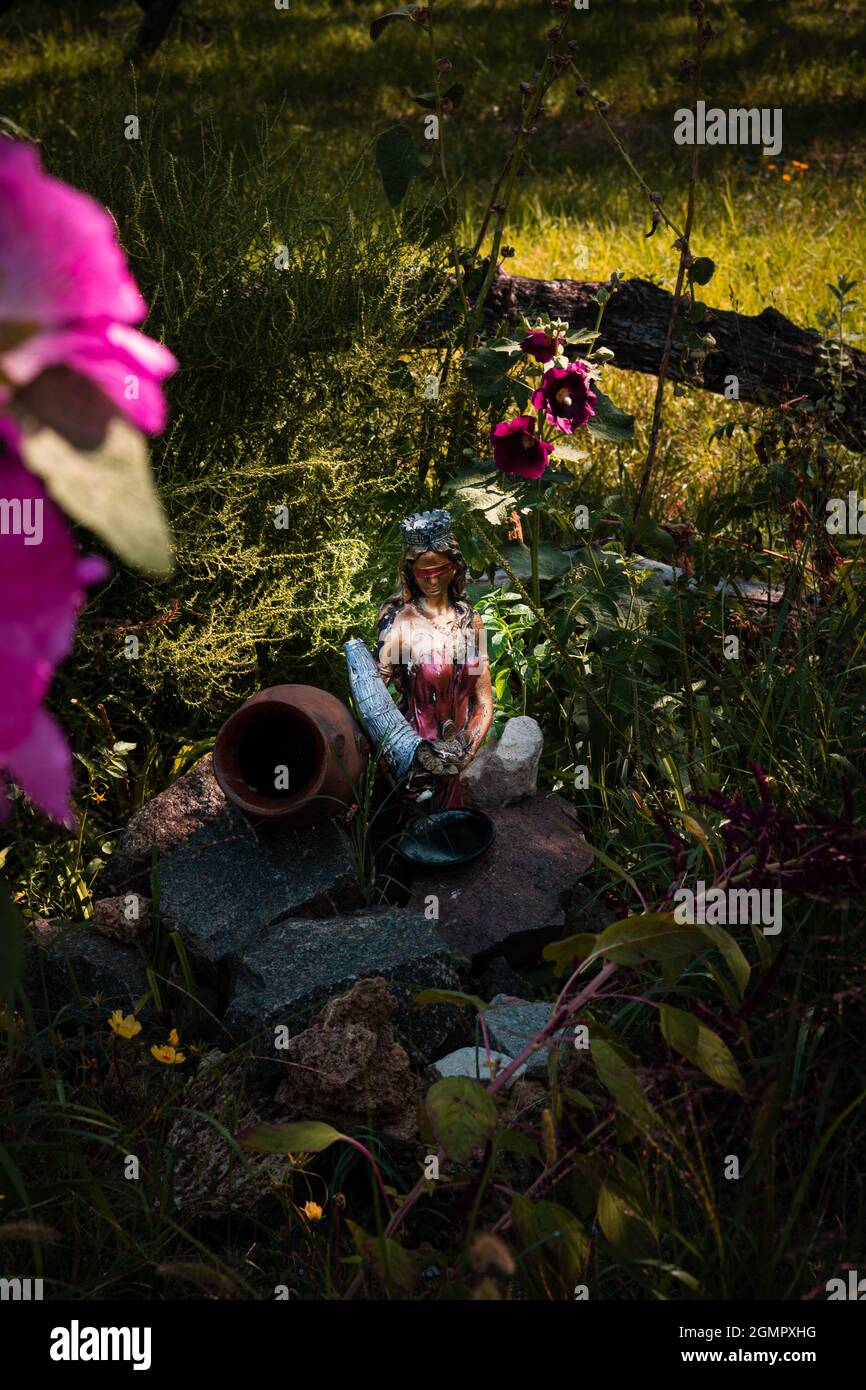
(173, 1038)
(312, 1211)
(124, 1027)
(167, 1055)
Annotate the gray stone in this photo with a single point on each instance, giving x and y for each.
(293, 967)
(229, 880)
(474, 1062)
(512, 1023)
(505, 772)
(512, 900)
(67, 966)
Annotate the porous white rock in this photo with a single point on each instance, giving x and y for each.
(474, 1062)
(505, 771)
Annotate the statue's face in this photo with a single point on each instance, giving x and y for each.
(433, 572)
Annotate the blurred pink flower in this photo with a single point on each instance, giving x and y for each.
(66, 295)
(42, 587)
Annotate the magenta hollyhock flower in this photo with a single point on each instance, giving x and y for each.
(66, 295)
(42, 587)
(541, 345)
(566, 397)
(516, 449)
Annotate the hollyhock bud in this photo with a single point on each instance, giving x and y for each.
(443, 65)
(516, 449)
(566, 397)
(541, 345)
(554, 35)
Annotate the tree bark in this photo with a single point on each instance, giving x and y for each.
(773, 360)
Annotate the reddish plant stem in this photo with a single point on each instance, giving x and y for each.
(553, 1024)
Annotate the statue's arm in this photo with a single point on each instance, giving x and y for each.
(481, 717)
(386, 654)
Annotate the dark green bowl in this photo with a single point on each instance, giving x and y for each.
(446, 839)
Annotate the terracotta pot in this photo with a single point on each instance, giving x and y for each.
(290, 754)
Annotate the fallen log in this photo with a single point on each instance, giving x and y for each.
(773, 360)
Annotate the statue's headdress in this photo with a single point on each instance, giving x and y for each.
(425, 530)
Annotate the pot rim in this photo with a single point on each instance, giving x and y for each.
(229, 737)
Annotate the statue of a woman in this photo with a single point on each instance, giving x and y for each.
(431, 647)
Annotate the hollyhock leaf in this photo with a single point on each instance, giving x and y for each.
(609, 422)
(701, 1046)
(463, 1115)
(479, 490)
(650, 536)
(399, 161)
(486, 371)
(703, 270)
(552, 561)
(521, 392)
(565, 451)
(387, 1259)
(109, 489)
(380, 24)
(427, 100)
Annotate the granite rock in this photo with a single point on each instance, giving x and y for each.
(125, 918)
(168, 820)
(506, 770)
(293, 966)
(98, 965)
(499, 978)
(512, 1023)
(229, 880)
(512, 900)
